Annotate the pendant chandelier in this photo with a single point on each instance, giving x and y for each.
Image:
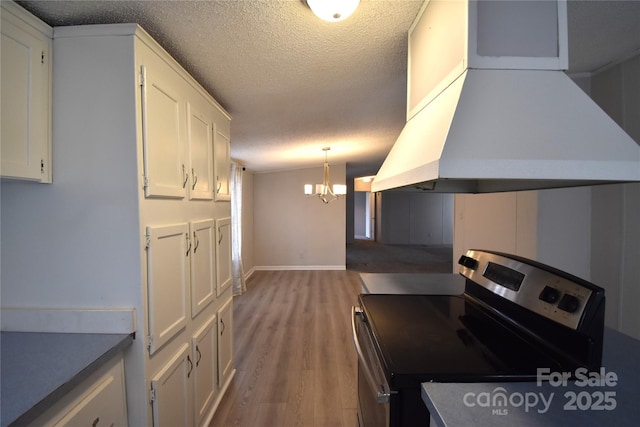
(324, 191)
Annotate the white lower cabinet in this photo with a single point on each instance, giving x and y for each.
(170, 391)
(203, 264)
(225, 341)
(168, 249)
(204, 347)
(223, 254)
(100, 400)
(187, 388)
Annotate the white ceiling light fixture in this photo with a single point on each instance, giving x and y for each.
(324, 190)
(333, 10)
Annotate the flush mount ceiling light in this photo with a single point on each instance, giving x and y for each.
(324, 190)
(333, 10)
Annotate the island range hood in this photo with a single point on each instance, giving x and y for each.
(490, 109)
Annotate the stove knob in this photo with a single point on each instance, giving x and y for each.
(550, 295)
(569, 303)
(468, 262)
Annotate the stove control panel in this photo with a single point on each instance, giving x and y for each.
(529, 284)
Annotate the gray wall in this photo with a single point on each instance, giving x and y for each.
(293, 231)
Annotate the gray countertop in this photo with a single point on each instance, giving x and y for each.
(412, 283)
(37, 369)
(591, 404)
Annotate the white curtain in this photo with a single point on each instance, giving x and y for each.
(239, 286)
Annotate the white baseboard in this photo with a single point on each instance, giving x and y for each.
(299, 267)
(249, 273)
(99, 321)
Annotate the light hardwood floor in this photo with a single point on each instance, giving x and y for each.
(295, 361)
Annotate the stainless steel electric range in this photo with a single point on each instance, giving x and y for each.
(515, 316)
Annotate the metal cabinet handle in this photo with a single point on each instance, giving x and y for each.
(195, 238)
(95, 422)
(190, 366)
(189, 242)
(220, 233)
(223, 327)
(195, 179)
(383, 393)
(185, 177)
(219, 185)
(199, 356)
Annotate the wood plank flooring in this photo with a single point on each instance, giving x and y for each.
(295, 361)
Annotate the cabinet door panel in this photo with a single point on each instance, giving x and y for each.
(223, 254)
(225, 341)
(222, 157)
(200, 129)
(205, 378)
(167, 282)
(203, 271)
(164, 168)
(25, 103)
(170, 391)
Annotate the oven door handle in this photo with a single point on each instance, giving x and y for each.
(384, 393)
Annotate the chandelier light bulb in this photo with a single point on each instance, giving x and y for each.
(333, 10)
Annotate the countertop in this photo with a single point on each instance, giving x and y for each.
(591, 404)
(37, 369)
(412, 283)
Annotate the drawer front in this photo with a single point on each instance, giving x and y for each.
(97, 402)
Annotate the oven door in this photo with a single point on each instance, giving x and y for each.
(373, 390)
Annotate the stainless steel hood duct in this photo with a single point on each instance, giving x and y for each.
(495, 128)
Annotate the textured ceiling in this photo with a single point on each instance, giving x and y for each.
(294, 84)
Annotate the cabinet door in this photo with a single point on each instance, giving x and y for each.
(222, 157)
(223, 254)
(170, 394)
(203, 271)
(200, 130)
(204, 351)
(26, 102)
(165, 172)
(225, 341)
(168, 250)
(103, 404)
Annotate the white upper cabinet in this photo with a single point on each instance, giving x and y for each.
(222, 165)
(200, 129)
(26, 95)
(165, 172)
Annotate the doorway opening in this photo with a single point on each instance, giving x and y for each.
(364, 216)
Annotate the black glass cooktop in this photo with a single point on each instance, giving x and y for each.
(448, 339)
